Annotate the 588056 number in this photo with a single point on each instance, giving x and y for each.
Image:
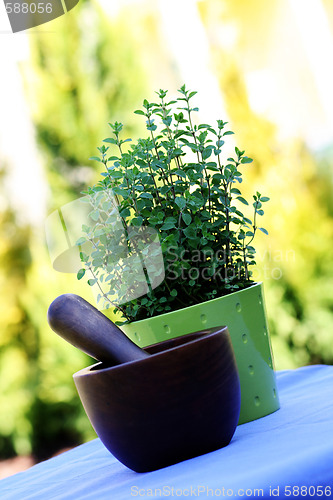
(28, 8)
(308, 491)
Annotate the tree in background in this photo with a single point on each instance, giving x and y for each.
(84, 76)
(297, 265)
(19, 342)
(80, 78)
(296, 261)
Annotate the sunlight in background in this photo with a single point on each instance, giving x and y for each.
(276, 89)
(314, 30)
(18, 151)
(290, 82)
(189, 46)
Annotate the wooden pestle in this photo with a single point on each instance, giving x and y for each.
(83, 326)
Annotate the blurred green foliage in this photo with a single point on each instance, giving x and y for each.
(79, 78)
(91, 71)
(296, 260)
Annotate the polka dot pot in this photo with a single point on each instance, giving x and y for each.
(244, 314)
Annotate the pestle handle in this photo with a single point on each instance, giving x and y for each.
(83, 326)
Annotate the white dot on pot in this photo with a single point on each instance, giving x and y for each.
(203, 318)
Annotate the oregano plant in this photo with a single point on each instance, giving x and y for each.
(173, 191)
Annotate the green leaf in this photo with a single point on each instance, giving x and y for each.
(167, 121)
(120, 191)
(106, 205)
(137, 221)
(139, 112)
(168, 225)
(171, 219)
(83, 257)
(80, 241)
(96, 158)
(80, 274)
(207, 126)
(181, 202)
(92, 281)
(187, 219)
(94, 215)
(242, 200)
(264, 198)
(190, 232)
(124, 213)
(262, 229)
(206, 153)
(180, 173)
(245, 159)
(173, 293)
(152, 127)
(146, 195)
(99, 232)
(111, 140)
(206, 214)
(164, 189)
(97, 263)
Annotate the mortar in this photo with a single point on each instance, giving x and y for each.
(178, 399)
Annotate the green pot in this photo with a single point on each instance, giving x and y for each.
(244, 314)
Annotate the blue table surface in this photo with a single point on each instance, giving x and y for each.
(287, 454)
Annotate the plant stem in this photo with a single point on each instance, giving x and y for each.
(153, 178)
(121, 309)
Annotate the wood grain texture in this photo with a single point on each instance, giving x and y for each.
(180, 402)
(82, 325)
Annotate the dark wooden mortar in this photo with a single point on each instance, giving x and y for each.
(181, 401)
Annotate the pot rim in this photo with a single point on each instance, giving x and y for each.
(188, 308)
(206, 333)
